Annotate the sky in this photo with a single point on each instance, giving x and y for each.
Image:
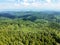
(29, 5)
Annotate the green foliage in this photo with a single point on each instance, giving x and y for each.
(20, 32)
(45, 30)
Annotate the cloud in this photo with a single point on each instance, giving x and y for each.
(30, 5)
(48, 1)
(9, 6)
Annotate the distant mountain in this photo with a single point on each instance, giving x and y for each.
(7, 15)
(24, 16)
(46, 15)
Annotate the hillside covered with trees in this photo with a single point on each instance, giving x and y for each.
(30, 28)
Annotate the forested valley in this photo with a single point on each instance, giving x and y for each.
(30, 28)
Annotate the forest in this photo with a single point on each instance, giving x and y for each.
(30, 28)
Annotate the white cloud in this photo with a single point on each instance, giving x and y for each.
(49, 1)
(26, 5)
(9, 6)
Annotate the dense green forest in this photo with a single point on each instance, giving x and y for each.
(30, 28)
